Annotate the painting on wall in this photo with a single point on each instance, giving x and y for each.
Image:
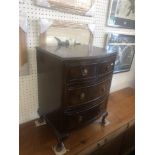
(23, 57)
(124, 45)
(80, 7)
(122, 14)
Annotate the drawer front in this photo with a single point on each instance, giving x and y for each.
(105, 68)
(82, 107)
(84, 70)
(80, 72)
(83, 95)
(81, 118)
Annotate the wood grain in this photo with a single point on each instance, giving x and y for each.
(39, 140)
(66, 82)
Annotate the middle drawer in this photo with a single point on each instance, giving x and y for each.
(84, 95)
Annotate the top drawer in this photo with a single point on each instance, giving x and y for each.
(86, 70)
(105, 67)
(80, 72)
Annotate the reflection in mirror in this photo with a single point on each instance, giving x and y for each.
(65, 33)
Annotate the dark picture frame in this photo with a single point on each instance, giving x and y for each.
(124, 45)
(121, 14)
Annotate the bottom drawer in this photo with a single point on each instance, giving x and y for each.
(79, 119)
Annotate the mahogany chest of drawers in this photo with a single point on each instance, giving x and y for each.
(73, 86)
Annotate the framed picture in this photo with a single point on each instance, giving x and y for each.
(80, 7)
(122, 14)
(124, 45)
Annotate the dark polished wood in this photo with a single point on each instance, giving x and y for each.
(117, 138)
(87, 94)
(73, 86)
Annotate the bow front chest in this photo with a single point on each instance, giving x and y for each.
(73, 86)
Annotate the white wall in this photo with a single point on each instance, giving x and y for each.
(125, 79)
(28, 83)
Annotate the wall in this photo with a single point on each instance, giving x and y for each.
(28, 83)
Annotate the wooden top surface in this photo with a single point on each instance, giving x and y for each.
(79, 51)
(39, 140)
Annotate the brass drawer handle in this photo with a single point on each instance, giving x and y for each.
(80, 118)
(109, 66)
(82, 96)
(112, 64)
(84, 72)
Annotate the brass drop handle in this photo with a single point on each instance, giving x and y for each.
(84, 72)
(80, 118)
(109, 66)
(82, 96)
(112, 64)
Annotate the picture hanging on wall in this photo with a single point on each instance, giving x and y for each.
(124, 45)
(65, 33)
(80, 7)
(122, 14)
(23, 57)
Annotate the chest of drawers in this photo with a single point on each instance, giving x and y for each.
(73, 86)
